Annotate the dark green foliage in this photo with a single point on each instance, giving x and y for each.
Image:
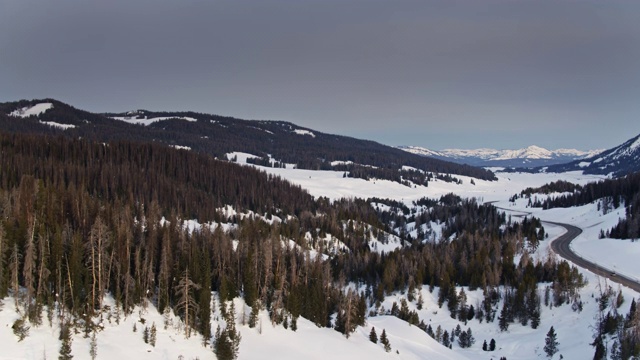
(20, 329)
(253, 317)
(446, 340)
(466, 339)
(492, 345)
(373, 337)
(223, 345)
(153, 334)
(65, 338)
(503, 318)
(551, 343)
(385, 341)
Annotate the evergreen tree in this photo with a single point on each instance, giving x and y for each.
(20, 329)
(533, 309)
(385, 341)
(446, 341)
(551, 343)
(492, 345)
(65, 346)
(145, 335)
(253, 317)
(373, 337)
(223, 346)
(186, 301)
(503, 318)
(484, 346)
(463, 340)
(470, 339)
(93, 346)
(153, 334)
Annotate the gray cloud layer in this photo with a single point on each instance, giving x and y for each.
(492, 73)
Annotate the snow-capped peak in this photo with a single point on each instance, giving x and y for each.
(530, 152)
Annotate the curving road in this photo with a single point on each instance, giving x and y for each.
(562, 248)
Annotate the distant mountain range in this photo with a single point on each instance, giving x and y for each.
(618, 161)
(530, 157)
(275, 143)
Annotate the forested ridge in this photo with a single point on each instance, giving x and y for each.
(218, 135)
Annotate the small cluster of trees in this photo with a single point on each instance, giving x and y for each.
(384, 340)
(624, 331)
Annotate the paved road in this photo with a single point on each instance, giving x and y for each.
(562, 248)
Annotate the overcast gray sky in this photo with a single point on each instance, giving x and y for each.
(439, 74)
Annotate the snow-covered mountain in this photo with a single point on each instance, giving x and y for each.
(531, 156)
(618, 161)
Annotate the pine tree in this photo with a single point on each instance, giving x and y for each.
(65, 346)
(492, 345)
(222, 345)
(551, 343)
(373, 337)
(93, 346)
(470, 339)
(253, 317)
(533, 309)
(20, 329)
(420, 302)
(463, 340)
(484, 346)
(446, 341)
(503, 318)
(385, 341)
(186, 301)
(145, 335)
(153, 334)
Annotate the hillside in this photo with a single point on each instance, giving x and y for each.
(218, 135)
(115, 227)
(618, 161)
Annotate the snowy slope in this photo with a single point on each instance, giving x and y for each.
(34, 110)
(618, 161)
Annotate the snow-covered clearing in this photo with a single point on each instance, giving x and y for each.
(148, 121)
(31, 110)
(304, 132)
(58, 125)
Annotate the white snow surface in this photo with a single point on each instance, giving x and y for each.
(31, 110)
(531, 152)
(58, 125)
(304, 132)
(148, 121)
